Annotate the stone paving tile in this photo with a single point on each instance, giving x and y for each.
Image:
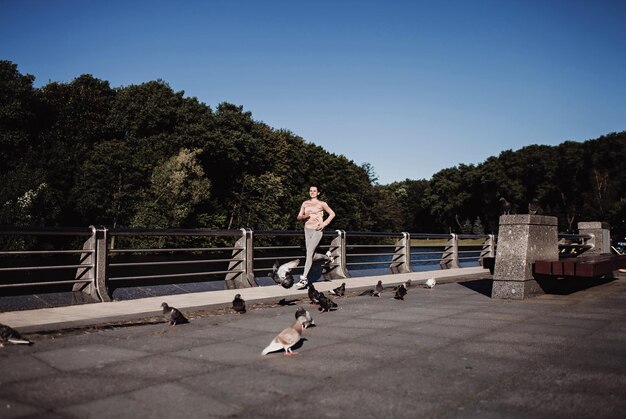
(402, 315)
(233, 353)
(23, 367)
(338, 400)
(369, 323)
(159, 367)
(321, 367)
(514, 351)
(534, 328)
(536, 403)
(165, 342)
(561, 319)
(405, 339)
(67, 388)
(10, 409)
(88, 356)
(160, 401)
(459, 320)
(520, 338)
(240, 385)
(445, 331)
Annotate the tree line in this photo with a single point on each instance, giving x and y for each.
(83, 152)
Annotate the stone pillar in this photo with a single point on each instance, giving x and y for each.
(522, 239)
(601, 236)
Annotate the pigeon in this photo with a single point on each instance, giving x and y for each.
(430, 282)
(173, 315)
(286, 339)
(506, 206)
(339, 291)
(239, 304)
(285, 302)
(408, 284)
(400, 293)
(313, 294)
(281, 274)
(10, 335)
(307, 321)
(534, 208)
(326, 304)
(374, 292)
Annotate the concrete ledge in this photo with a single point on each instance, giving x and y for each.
(98, 313)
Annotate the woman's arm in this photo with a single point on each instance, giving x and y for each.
(301, 216)
(331, 214)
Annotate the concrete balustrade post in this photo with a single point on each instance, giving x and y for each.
(337, 269)
(450, 256)
(600, 236)
(102, 256)
(401, 260)
(83, 291)
(522, 239)
(242, 261)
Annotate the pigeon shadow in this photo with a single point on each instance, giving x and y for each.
(285, 302)
(299, 344)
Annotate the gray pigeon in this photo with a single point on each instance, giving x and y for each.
(506, 206)
(239, 304)
(326, 304)
(534, 208)
(408, 284)
(281, 274)
(339, 291)
(305, 318)
(400, 293)
(173, 315)
(10, 335)
(314, 295)
(374, 292)
(379, 287)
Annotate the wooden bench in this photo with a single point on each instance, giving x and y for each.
(590, 266)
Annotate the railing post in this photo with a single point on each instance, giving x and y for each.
(249, 262)
(401, 260)
(102, 254)
(242, 261)
(488, 250)
(450, 256)
(86, 292)
(337, 269)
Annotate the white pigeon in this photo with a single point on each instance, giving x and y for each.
(430, 282)
(286, 339)
(281, 274)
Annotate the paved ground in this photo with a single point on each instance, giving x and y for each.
(446, 352)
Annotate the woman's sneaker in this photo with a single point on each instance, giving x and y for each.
(329, 257)
(302, 284)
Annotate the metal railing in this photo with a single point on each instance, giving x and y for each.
(116, 258)
(575, 244)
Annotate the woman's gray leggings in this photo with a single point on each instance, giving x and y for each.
(312, 239)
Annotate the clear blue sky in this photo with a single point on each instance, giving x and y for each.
(411, 87)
